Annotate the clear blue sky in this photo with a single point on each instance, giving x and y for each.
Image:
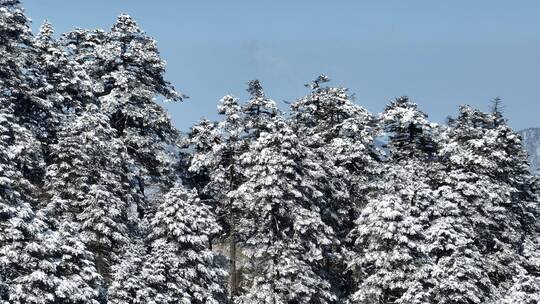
(440, 53)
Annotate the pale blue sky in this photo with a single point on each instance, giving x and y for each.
(440, 53)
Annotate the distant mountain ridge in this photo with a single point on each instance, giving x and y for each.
(531, 142)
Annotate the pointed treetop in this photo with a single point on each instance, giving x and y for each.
(497, 105)
(204, 134)
(255, 88)
(125, 23)
(497, 109)
(259, 103)
(46, 32)
(228, 105)
(46, 28)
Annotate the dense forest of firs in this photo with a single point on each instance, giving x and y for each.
(102, 200)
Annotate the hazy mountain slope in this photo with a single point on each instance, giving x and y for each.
(531, 141)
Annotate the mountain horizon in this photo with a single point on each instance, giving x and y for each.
(531, 141)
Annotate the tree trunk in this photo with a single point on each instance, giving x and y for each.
(232, 256)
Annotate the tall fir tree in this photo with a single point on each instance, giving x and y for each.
(22, 251)
(15, 39)
(127, 76)
(459, 273)
(130, 73)
(180, 267)
(89, 186)
(68, 85)
(486, 156)
(25, 258)
(340, 135)
(83, 46)
(388, 260)
(285, 237)
(217, 152)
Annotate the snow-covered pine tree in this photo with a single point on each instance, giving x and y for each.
(62, 82)
(216, 155)
(54, 268)
(284, 235)
(460, 272)
(22, 252)
(489, 169)
(388, 261)
(25, 264)
(16, 99)
(88, 184)
(525, 287)
(180, 267)
(130, 73)
(340, 135)
(76, 278)
(15, 39)
(69, 88)
(18, 70)
(37, 265)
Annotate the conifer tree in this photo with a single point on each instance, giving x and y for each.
(488, 171)
(26, 274)
(204, 137)
(180, 267)
(83, 46)
(460, 273)
(127, 76)
(18, 84)
(130, 73)
(69, 88)
(285, 235)
(388, 260)
(15, 38)
(88, 185)
(340, 136)
(37, 265)
(21, 250)
(217, 152)
(76, 278)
